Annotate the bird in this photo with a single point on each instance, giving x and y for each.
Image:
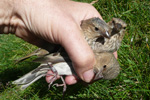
(106, 67)
(117, 31)
(95, 26)
(103, 38)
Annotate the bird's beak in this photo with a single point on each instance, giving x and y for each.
(98, 76)
(105, 34)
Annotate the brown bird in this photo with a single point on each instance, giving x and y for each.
(102, 37)
(106, 67)
(92, 29)
(112, 44)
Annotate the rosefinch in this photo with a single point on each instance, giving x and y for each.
(106, 67)
(112, 44)
(103, 38)
(92, 28)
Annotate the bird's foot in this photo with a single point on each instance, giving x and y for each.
(54, 75)
(64, 84)
(52, 79)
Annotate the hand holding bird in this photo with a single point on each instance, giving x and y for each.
(106, 67)
(103, 38)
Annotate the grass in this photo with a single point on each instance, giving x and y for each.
(133, 56)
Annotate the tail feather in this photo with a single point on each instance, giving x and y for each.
(32, 76)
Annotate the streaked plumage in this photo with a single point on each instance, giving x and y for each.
(104, 38)
(92, 28)
(116, 30)
(106, 67)
(101, 36)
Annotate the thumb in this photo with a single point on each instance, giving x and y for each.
(79, 52)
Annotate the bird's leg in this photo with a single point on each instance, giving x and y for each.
(64, 84)
(52, 80)
(54, 76)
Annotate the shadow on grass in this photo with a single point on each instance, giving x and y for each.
(12, 73)
(40, 87)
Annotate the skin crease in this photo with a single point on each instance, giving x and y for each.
(53, 21)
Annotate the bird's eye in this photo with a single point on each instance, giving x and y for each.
(96, 29)
(124, 27)
(104, 66)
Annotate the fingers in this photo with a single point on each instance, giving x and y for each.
(69, 79)
(49, 76)
(79, 52)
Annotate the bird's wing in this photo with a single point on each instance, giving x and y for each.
(53, 58)
(37, 52)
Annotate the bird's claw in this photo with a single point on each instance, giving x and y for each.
(54, 75)
(64, 84)
(54, 78)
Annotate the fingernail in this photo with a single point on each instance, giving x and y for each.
(88, 75)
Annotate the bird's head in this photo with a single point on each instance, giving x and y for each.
(95, 27)
(117, 25)
(107, 66)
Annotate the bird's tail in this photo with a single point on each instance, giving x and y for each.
(32, 76)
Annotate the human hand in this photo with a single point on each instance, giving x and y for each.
(40, 22)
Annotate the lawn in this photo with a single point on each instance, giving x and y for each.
(133, 81)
